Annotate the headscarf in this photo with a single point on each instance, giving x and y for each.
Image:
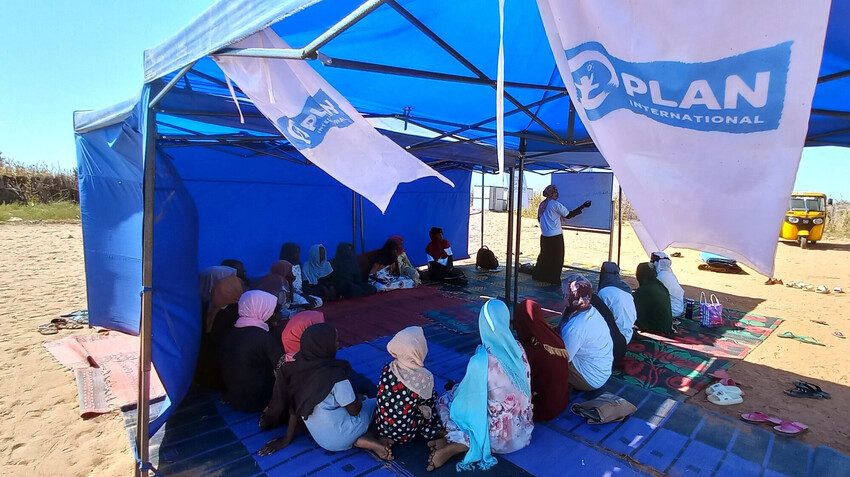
(577, 291)
(609, 276)
(314, 268)
(436, 248)
(409, 349)
(547, 358)
(236, 265)
(226, 291)
(344, 263)
(276, 280)
(664, 272)
(289, 252)
(652, 302)
(291, 336)
(209, 277)
(469, 408)
(399, 241)
(316, 370)
(546, 193)
(389, 253)
(255, 308)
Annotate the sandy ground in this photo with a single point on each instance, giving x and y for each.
(41, 432)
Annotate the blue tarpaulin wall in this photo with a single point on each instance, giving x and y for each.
(213, 203)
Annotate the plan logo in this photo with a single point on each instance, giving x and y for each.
(319, 114)
(744, 93)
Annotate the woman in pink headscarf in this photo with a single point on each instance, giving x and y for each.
(249, 354)
(291, 335)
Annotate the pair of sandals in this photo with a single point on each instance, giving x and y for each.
(774, 281)
(724, 395)
(57, 324)
(782, 426)
(803, 389)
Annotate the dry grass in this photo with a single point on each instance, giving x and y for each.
(36, 184)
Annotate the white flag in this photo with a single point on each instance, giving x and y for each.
(701, 109)
(321, 123)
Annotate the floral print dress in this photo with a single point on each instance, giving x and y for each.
(399, 415)
(509, 411)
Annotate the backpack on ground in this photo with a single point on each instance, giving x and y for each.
(486, 259)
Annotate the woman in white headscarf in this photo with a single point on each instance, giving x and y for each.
(549, 215)
(664, 269)
(406, 396)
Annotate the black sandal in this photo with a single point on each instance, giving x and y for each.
(803, 389)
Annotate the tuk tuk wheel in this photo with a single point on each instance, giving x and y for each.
(804, 242)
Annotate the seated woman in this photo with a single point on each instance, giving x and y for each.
(291, 252)
(207, 280)
(317, 272)
(280, 282)
(586, 337)
(348, 281)
(221, 315)
(277, 412)
(320, 393)
(249, 354)
(652, 302)
(547, 357)
(617, 296)
(618, 341)
(440, 261)
(490, 410)
(238, 266)
(405, 266)
(406, 396)
(384, 273)
(664, 273)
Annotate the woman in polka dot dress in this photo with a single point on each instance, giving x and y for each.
(406, 397)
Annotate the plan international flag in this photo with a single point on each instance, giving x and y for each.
(321, 123)
(700, 107)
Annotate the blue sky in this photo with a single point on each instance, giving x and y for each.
(60, 56)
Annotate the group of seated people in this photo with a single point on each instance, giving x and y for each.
(289, 370)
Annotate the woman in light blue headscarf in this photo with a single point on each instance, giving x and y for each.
(489, 412)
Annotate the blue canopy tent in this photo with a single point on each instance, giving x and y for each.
(172, 180)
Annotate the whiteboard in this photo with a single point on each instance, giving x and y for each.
(576, 187)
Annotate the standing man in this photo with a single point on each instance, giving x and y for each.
(551, 258)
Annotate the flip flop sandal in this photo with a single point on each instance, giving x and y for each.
(812, 387)
(790, 428)
(718, 387)
(801, 339)
(760, 417)
(822, 289)
(820, 322)
(839, 334)
(48, 329)
(838, 290)
(804, 393)
(723, 399)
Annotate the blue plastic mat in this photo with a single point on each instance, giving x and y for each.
(206, 437)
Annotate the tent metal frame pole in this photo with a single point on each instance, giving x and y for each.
(508, 257)
(309, 51)
(834, 76)
(145, 319)
(619, 223)
(519, 188)
(362, 227)
(353, 220)
(470, 66)
(477, 125)
(611, 233)
(482, 207)
(434, 75)
(146, 315)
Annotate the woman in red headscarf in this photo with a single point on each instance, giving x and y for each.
(550, 391)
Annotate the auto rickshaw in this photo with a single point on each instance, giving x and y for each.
(806, 218)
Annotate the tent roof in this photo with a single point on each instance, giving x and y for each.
(425, 63)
